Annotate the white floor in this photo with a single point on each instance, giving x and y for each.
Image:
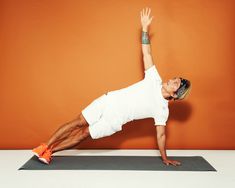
(222, 160)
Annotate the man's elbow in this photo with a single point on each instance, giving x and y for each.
(160, 131)
(148, 61)
(160, 136)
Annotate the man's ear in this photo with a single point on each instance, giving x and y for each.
(174, 95)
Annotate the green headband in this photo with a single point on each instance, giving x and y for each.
(183, 86)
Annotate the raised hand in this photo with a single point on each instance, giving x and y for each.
(145, 19)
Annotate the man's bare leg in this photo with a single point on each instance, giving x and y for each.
(72, 140)
(65, 130)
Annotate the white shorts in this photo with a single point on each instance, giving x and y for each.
(100, 117)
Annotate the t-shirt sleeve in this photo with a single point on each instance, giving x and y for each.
(152, 73)
(161, 119)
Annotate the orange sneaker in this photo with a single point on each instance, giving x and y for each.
(46, 156)
(38, 151)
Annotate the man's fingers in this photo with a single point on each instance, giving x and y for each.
(149, 11)
(166, 163)
(145, 11)
(177, 162)
(142, 12)
(174, 164)
(170, 162)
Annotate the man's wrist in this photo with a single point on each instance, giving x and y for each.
(145, 29)
(145, 37)
(164, 158)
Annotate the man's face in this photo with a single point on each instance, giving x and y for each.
(173, 84)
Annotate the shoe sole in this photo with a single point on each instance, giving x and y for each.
(43, 160)
(35, 153)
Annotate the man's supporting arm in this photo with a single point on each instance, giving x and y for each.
(161, 139)
(146, 49)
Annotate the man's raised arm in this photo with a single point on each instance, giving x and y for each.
(145, 22)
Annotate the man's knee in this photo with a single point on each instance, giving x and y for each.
(86, 131)
(81, 121)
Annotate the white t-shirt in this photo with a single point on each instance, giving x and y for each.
(141, 100)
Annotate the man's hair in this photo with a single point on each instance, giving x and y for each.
(183, 90)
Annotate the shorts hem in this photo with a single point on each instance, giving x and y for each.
(86, 117)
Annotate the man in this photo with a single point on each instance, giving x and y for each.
(106, 114)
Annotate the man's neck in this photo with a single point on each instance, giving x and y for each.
(165, 94)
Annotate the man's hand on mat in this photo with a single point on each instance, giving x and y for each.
(173, 162)
(144, 15)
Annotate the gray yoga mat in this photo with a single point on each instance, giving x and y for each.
(147, 163)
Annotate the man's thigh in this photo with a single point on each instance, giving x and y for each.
(93, 112)
(103, 128)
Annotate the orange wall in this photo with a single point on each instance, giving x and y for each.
(58, 56)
